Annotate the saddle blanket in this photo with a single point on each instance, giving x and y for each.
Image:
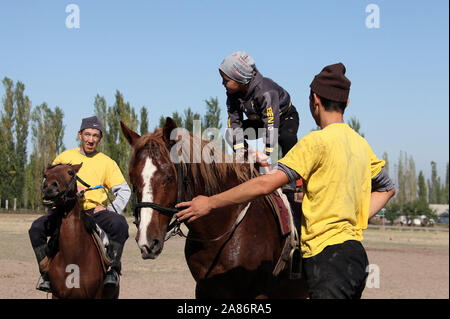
(102, 242)
(282, 213)
(103, 237)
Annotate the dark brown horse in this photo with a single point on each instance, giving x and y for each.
(231, 252)
(75, 270)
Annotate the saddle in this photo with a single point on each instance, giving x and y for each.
(290, 257)
(101, 242)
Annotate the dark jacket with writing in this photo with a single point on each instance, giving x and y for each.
(264, 101)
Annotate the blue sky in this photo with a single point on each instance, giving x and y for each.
(165, 55)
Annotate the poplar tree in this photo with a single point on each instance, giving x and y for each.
(401, 194)
(144, 121)
(189, 117)
(58, 128)
(117, 146)
(7, 148)
(434, 185)
(47, 130)
(176, 117)
(22, 111)
(406, 179)
(212, 115)
(422, 192)
(386, 159)
(100, 111)
(411, 180)
(446, 189)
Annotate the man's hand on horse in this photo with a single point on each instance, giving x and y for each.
(259, 157)
(198, 207)
(81, 189)
(99, 209)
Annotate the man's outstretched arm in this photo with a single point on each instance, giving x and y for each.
(202, 205)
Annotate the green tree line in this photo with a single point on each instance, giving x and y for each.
(413, 192)
(21, 173)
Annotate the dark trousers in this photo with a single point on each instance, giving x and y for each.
(113, 224)
(287, 132)
(338, 272)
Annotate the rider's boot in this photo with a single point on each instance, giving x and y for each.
(115, 250)
(40, 253)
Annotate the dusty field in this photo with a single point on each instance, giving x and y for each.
(410, 264)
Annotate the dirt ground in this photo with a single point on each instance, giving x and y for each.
(405, 265)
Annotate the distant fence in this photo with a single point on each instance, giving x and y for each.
(10, 206)
(408, 228)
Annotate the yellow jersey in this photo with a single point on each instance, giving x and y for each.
(337, 166)
(98, 169)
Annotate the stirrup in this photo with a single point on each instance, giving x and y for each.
(45, 285)
(111, 279)
(295, 263)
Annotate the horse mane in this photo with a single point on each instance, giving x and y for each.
(50, 166)
(208, 177)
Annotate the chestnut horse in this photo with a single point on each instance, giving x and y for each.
(74, 268)
(231, 252)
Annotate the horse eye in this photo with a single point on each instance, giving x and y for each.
(169, 179)
(45, 176)
(70, 173)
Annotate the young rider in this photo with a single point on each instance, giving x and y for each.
(266, 105)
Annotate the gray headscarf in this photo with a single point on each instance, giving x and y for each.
(239, 66)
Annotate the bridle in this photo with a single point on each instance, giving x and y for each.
(168, 211)
(69, 186)
(175, 227)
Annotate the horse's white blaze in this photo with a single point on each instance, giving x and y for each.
(147, 196)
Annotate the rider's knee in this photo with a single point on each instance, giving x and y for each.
(120, 227)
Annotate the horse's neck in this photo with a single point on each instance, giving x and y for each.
(72, 232)
(218, 221)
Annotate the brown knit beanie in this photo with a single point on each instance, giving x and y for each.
(331, 83)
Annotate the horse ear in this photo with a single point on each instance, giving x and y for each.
(167, 129)
(129, 134)
(77, 167)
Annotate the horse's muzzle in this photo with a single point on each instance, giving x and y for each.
(50, 195)
(153, 251)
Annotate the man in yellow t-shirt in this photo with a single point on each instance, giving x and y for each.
(344, 184)
(97, 169)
